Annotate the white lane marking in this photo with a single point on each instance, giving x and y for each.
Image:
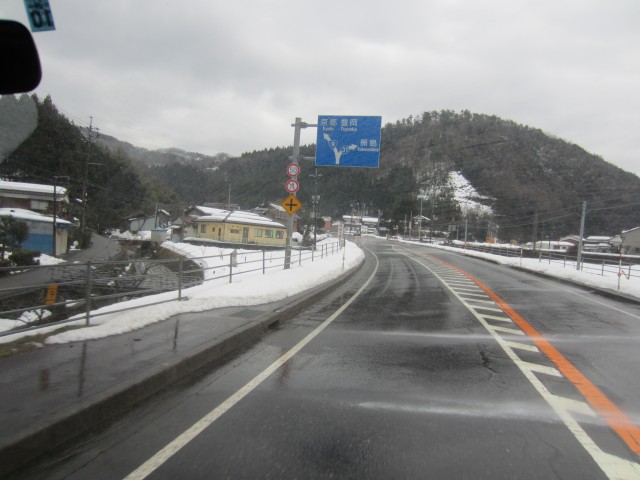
(511, 331)
(536, 368)
(475, 302)
(455, 283)
(522, 346)
(576, 406)
(185, 437)
(478, 307)
(497, 318)
(614, 467)
(470, 296)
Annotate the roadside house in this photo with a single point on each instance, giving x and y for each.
(143, 223)
(239, 227)
(32, 196)
(631, 241)
(40, 236)
(595, 243)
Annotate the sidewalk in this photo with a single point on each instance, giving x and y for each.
(102, 249)
(51, 395)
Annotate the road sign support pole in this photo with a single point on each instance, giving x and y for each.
(294, 159)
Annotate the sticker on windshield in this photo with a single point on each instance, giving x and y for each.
(40, 15)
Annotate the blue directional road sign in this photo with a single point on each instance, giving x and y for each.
(348, 141)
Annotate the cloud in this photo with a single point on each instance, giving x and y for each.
(231, 76)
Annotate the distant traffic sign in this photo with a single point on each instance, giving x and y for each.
(291, 186)
(348, 141)
(293, 169)
(291, 204)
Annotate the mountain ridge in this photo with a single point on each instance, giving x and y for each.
(534, 183)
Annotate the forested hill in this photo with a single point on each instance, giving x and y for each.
(58, 151)
(534, 183)
(534, 179)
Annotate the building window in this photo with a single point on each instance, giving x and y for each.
(268, 233)
(235, 231)
(203, 228)
(257, 232)
(279, 234)
(39, 205)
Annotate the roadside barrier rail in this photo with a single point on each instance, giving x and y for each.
(627, 266)
(37, 296)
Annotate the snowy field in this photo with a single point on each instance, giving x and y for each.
(249, 289)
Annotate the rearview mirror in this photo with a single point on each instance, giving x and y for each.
(19, 58)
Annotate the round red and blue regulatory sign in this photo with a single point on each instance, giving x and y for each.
(291, 186)
(293, 170)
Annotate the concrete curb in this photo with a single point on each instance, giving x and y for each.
(41, 440)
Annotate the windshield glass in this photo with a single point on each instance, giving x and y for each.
(329, 239)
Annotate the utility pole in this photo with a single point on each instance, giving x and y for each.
(584, 214)
(466, 224)
(315, 200)
(85, 175)
(534, 234)
(55, 211)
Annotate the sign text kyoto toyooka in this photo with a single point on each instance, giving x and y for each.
(348, 141)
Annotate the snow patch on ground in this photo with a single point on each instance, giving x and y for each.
(466, 195)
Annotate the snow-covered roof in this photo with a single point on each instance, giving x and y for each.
(277, 207)
(207, 210)
(35, 189)
(240, 217)
(359, 218)
(28, 215)
(597, 238)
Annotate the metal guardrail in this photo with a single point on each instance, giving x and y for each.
(64, 292)
(599, 264)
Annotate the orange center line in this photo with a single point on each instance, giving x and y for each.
(615, 418)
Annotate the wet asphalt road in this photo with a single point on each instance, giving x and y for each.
(405, 383)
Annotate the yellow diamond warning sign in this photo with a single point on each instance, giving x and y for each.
(291, 204)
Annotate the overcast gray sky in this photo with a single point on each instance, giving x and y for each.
(231, 76)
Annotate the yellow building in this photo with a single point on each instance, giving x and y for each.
(240, 227)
